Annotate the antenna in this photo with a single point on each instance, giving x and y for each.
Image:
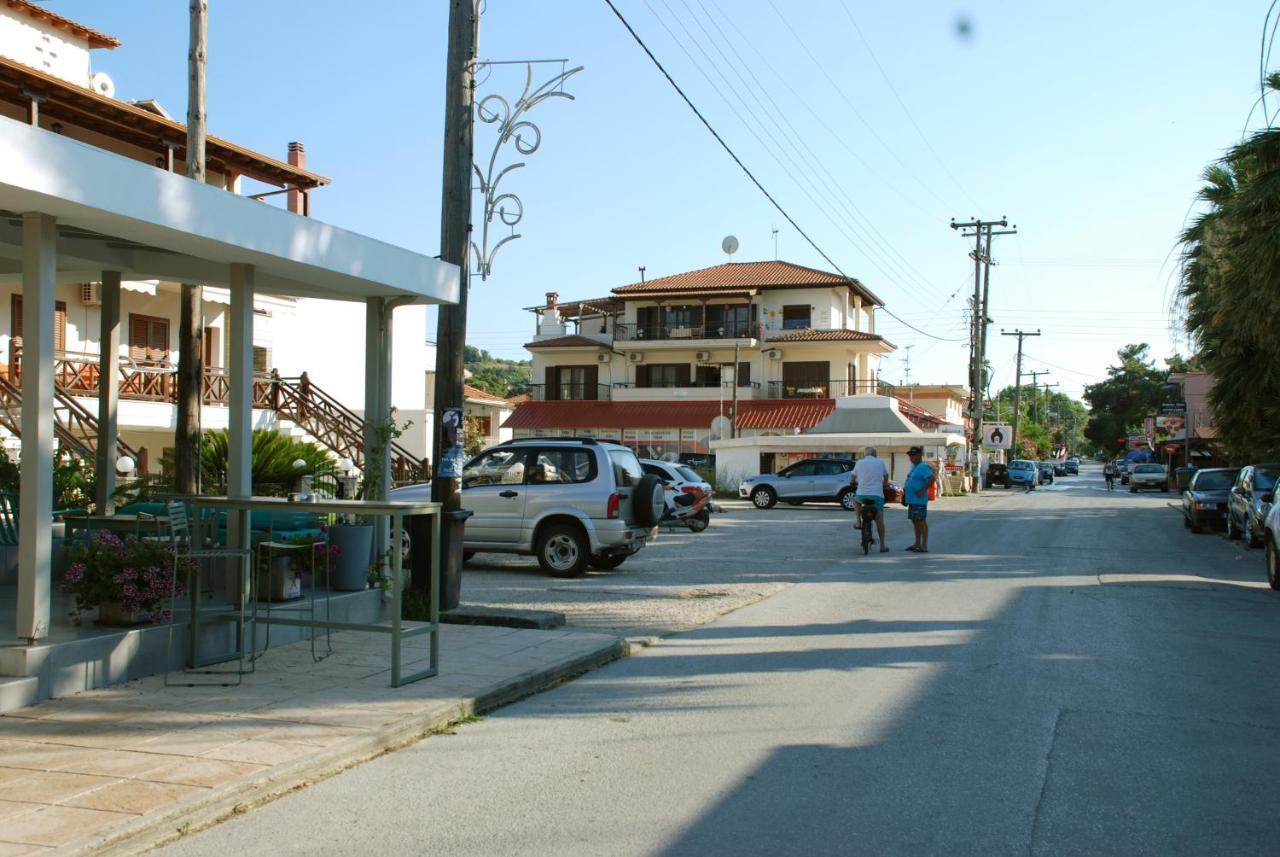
(906, 370)
(642, 273)
(775, 242)
(729, 245)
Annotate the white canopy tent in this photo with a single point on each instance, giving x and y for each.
(70, 212)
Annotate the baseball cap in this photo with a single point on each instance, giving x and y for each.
(915, 450)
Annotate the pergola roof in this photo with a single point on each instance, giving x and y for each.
(115, 213)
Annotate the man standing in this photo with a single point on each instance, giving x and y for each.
(870, 478)
(916, 490)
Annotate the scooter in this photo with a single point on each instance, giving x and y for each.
(681, 511)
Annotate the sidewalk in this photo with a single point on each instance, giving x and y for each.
(122, 769)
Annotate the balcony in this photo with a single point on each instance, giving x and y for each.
(664, 332)
(569, 393)
(629, 391)
(828, 389)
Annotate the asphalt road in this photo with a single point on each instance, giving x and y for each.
(1068, 672)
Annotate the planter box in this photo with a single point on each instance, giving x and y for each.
(280, 582)
(112, 615)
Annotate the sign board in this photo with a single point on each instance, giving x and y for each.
(1174, 408)
(1171, 424)
(997, 436)
(1137, 441)
(1149, 427)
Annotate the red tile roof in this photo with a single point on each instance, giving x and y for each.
(918, 415)
(752, 414)
(825, 336)
(564, 341)
(58, 22)
(745, 275)
(470, 392)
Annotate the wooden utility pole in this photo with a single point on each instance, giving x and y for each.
(186, 441)
(1035, 387)
(455, 245)
(1017, 390)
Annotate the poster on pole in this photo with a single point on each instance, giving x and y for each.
(451, 452)
(997, 436)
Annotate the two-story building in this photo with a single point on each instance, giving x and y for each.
(738, 350)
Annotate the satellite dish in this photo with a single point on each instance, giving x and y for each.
(102, 84)
(721, 426)
(729, 245)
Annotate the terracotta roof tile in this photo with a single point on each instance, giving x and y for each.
(53, 19)
(475, 393)
(825, 336)
(563, 341)
(744, 275)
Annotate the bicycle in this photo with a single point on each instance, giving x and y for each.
(868, 519)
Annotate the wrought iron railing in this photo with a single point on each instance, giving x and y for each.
(828, 389)
(723, 330)
(693, 384)
(569, 392)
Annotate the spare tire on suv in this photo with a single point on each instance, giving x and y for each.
(649, 502)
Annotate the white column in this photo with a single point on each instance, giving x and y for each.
(240, 380)
(108, 391)
(35, 501)
(871, 318)
(857, 312)
(377, 406)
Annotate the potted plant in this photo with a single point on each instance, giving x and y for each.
(282, 580)
(127, 579)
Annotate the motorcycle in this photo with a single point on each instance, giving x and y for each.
(685, 510)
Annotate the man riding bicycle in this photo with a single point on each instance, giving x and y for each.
(1109, 474)
(870, 480)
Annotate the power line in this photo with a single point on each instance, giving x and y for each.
(743, 166)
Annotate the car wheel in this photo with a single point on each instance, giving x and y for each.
(1273, 565)
(604, 562)
(763, 497)
(846, 500)
(699, 522)
(648, 502)
(563, 550)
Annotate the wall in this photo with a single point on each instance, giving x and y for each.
(43, 47)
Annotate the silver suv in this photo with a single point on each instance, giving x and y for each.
(822, 479)
(569, 502)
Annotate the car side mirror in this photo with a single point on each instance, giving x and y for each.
(1268, 496)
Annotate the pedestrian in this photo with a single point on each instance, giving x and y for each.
(869, 480)
(916, 492)
(1109, 474)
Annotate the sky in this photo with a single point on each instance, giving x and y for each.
(872, 124)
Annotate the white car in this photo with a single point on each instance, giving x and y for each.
(1148, 476)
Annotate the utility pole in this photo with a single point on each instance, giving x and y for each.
(979, 230)
(1035, 386)
(906, 370)
(1047, 413)
(186, 440)
(1017, 389)
(733, 410)
(455, 248)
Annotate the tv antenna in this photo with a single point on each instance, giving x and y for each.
(775, 242)
(730, 246)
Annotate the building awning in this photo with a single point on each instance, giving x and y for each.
(757, 414)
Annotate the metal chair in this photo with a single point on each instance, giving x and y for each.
(189, 546)
(269, 551)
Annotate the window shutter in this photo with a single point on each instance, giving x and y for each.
(642, 375)
(552, 386)
(60, 326)
(744, 374)
(590, 383)
(682, 374)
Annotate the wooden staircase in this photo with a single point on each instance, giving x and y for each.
(73, 425)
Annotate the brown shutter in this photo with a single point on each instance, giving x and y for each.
(744, 374)
(60, 326)
(138, 337)
(590, 383)
(682, 374)
(642, 375)
(552, 384)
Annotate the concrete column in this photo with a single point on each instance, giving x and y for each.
(871, 318)
(240, 380)
(108, 392)
(35, 500)
(377, 406)
(857, 312)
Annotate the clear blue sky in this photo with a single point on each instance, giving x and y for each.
(1088, 126)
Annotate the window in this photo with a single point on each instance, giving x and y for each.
(497, 467)
(805, 379)
(795, 317)
(626, 468)
(148, 339)
(804, 468)
(662, 375)
(647, 322)
(562, 466)
(728, 320)
(261, 359)
(831, 468)
(681, 318)
(59, 322)
(572, 383)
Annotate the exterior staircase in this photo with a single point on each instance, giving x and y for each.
(75, 427)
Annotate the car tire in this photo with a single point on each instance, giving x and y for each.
(698, 522)
(563, 550)
(846, 500)
(763, 497)
(1273, 564)
(648, 502)
(606, 562)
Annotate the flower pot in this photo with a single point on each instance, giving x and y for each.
(279, 582)
(354, 556)
(112, 615)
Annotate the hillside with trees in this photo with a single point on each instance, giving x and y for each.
(496, 375)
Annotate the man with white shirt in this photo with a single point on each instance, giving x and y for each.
(869, 480)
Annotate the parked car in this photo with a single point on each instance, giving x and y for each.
(821, 479)
(1271, 540)
(1148, 476)
(1204, 503)
(998, 474)
(569, 502)
(1059, 468)
(1250, 501)
(1071, 467)
(679, 479)
(1023, 472)
(1046, 472)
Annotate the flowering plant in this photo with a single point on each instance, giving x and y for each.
(313, 559)
(133, 573)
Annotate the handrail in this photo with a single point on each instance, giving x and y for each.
(77, 416)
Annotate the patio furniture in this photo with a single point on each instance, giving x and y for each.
(268, 552)
(191, 546)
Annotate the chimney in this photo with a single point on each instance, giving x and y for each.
(297, 158)
(552, 298)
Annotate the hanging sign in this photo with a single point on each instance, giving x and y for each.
(997, 436)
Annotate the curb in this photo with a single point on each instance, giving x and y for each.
(240, 796)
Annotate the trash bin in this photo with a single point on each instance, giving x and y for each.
(453, 524)
(1183, 475)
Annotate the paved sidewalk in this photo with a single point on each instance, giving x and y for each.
(122, 769)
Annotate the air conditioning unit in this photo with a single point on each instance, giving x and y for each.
(604, 357)
(774, 354)
(91, 294)
(703, 356)
(635, 357)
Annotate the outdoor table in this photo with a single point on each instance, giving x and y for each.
(129, 524)
(397, 511)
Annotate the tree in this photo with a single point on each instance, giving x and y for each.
(1133, 390)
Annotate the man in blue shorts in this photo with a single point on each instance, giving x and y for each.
(916, 492)
(870, 478)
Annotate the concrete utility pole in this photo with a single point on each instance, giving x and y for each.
(979, 230)
(455, 247)
(1047, 413)
(186, 436)
(1035, 387)
(1017, 389)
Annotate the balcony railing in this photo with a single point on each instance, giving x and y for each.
(692, 385)
(828, 389)
(569, 393)
(724, 330)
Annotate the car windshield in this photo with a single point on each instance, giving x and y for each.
(1021, 465)
(1214, 480)
(1264, 480)
(1149, 468)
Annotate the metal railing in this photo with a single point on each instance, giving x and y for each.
(569, 392)
(828, 389)
(692, 385)
(723, 330)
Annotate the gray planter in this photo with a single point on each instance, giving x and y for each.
(351, 566)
